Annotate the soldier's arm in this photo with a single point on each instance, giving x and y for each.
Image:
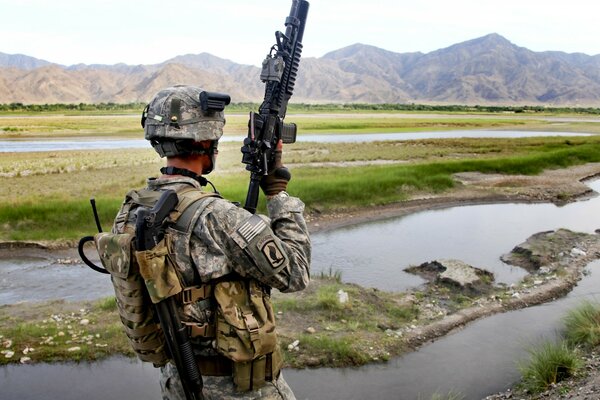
(275, 251)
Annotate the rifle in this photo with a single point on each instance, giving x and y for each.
(149, 231)
(266, 128)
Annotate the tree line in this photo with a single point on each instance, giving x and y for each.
(304, 107)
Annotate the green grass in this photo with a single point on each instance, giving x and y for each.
(582, 325)
(107, 304)
(549, 363)
(67, 215)
(334, 351)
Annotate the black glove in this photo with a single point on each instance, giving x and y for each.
(279, 176)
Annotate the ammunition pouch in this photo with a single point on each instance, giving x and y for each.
(246, 332)
(158, 272)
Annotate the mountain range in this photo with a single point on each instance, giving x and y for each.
(485, 70)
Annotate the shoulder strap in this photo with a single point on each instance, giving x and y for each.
(189, 203)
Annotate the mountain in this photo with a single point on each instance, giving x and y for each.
(21, 61)
(485, 70)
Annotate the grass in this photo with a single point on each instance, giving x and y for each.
(50, 204)
(362, 329)
(451, 395)
(553, 362)
(582, 325)
(345, 334)
(59, 331)
(549, 363)
(82, 124)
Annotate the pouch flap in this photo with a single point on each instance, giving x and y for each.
(159, 273)
(115, 252)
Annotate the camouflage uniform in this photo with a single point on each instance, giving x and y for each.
(214, 254)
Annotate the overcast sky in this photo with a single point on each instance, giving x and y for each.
(145, 32)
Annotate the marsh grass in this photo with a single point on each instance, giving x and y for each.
(341, 351)
(549, 363)
(128, 125)
(582, 325)
(56, 206)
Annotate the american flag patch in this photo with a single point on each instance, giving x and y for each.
(251, 228)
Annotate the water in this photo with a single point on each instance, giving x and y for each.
(372, 254)
(91, 144)
(375, 254)
(30, 275)
(479, 360)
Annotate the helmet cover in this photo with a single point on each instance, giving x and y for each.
(175, 113)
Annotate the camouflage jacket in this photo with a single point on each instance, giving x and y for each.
(228, 239)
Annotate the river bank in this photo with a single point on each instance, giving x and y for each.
(437, 310)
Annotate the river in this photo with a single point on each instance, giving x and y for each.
(27, 145)
(476, 361)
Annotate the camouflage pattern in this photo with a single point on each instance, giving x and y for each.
(215, 253)
(192, 123)
(137, 316)
(245, 326)
(115, 252)
(222, 388)
(158, 272)
(279, 257)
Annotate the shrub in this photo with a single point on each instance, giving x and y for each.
(582, 325)
(549, 363)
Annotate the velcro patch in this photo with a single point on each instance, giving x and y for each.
(271, 251)
(251, 228)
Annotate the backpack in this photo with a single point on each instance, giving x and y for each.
(141, 278)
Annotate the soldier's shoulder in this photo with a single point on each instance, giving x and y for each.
(222, 212)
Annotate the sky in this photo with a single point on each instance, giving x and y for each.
(150, 31)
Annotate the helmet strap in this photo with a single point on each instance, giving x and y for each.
(190, 174)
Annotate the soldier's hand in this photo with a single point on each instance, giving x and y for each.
(279, 176)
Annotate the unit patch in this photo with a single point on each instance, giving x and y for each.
(271, 251)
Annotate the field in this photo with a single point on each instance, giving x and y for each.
(45, 195)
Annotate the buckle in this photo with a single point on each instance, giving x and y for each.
(252, 325)
(195, 330)
(194, 293)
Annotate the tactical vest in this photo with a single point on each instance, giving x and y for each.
(233, 313)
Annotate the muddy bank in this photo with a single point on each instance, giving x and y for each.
(472, 188)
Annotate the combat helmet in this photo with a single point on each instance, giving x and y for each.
(180, 116)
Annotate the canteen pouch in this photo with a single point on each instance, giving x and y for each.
(246, 332)
(158, 271)
(133, 302)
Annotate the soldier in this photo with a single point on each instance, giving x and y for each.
(226, 258)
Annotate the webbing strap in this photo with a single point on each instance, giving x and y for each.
(189, 203)
(150, 345)
(133, 301)
(137, 333)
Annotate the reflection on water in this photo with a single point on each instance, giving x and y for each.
(115, 378)
(375, 254)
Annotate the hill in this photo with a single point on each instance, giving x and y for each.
(485, 70)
